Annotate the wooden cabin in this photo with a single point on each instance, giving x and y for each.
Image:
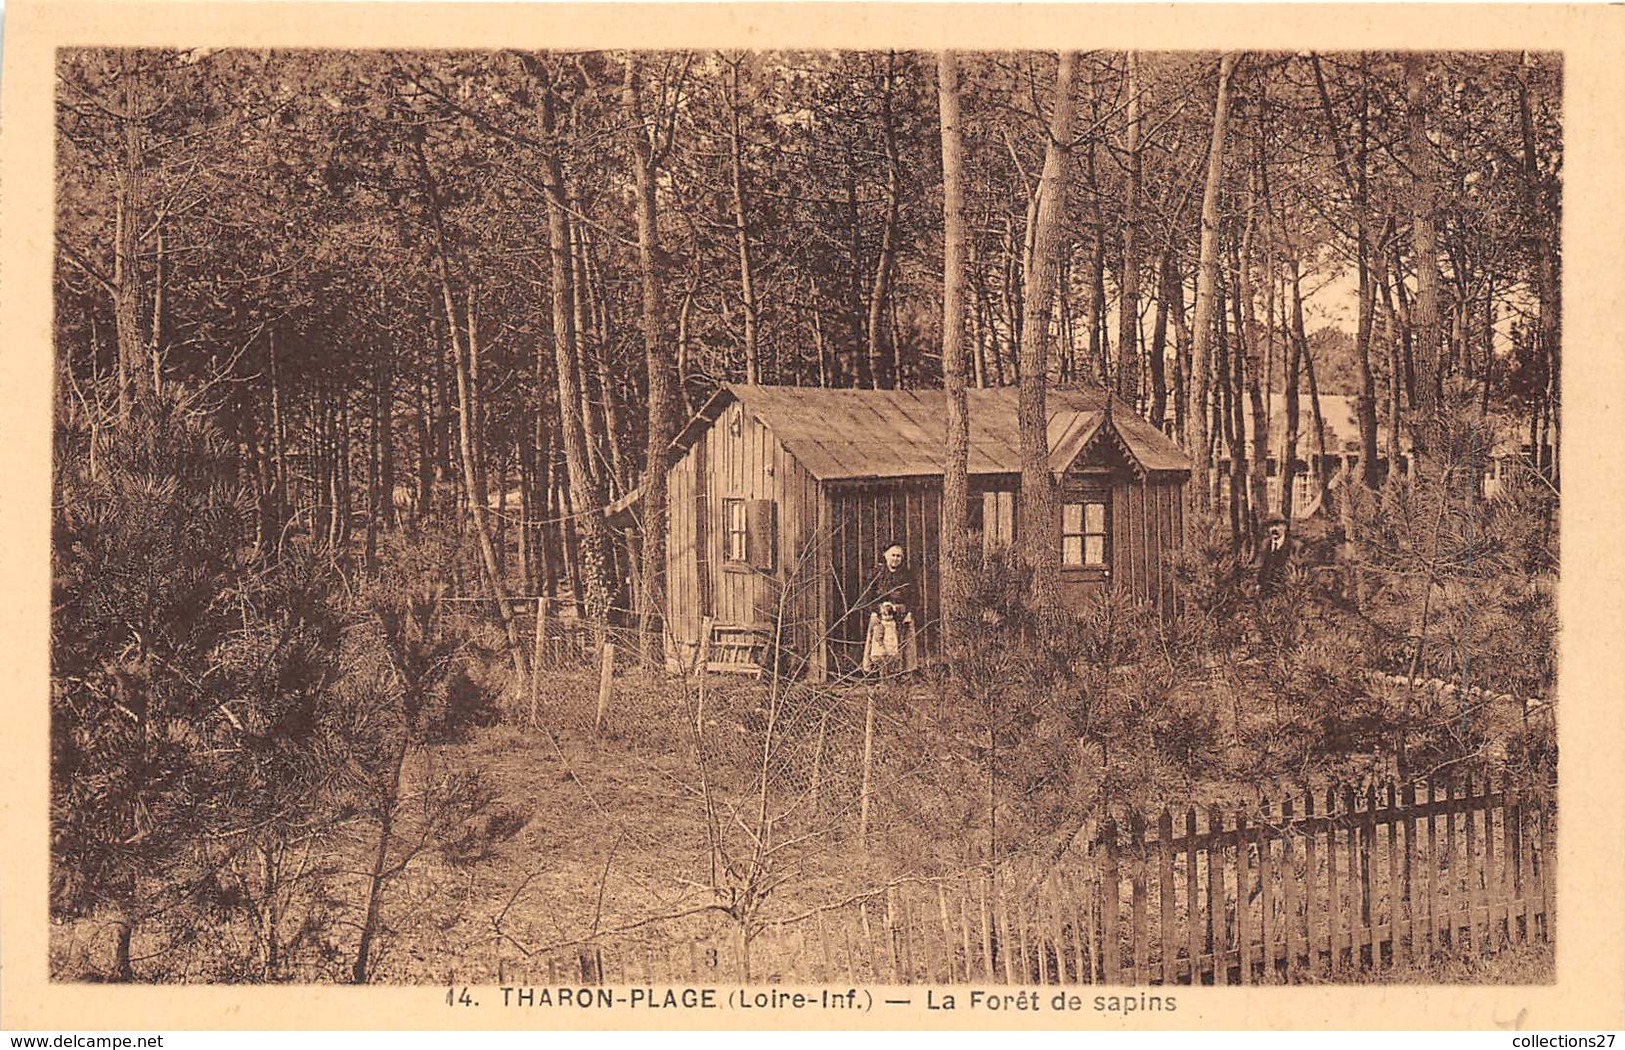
(780, 501)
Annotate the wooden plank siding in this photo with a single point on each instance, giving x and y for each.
(739, 458)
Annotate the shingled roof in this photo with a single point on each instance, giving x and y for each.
(850, 434)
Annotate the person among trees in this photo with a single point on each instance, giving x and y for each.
(1275, 555)
(890, 599)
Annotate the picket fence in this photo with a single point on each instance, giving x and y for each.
(1321, 885)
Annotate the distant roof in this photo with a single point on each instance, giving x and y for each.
(850, 434)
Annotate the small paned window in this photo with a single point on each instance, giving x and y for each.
(749, 531)
(734, 530)
(1083, 534)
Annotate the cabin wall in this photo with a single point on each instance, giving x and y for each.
(1147, 528)
(1147, 522)
(739, 458)
(865, 516)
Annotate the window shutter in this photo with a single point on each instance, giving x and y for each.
(760, 533)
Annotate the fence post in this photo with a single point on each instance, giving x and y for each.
(1408, 873)
(702, 661)
(1244, 905)
(827, 973)
(1141, 948)
(987, 931)
(1165, 893)
(967, 965)
(868, 767)
(1289, 888)
(1515, 854)
(1020, 923)
(606, 684)
(868, 940)
(1469, 867)
(947, 932)
(1109, 903)
(1508, 796)
(1218, 933)
(1193, 905)
(1334, 896)
(1352, 839)
(1451, 926)
(1005, 928)
(1311, 877)
(1392, 822)
(1548, 866)
(1052, 896)
(893, 949)
(1432, 871)
(536, 658)
(1268, 928)
(1494, 872)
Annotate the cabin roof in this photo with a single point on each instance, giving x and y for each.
(846, 434)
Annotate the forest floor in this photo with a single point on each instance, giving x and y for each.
(602, 837)
(615, 846)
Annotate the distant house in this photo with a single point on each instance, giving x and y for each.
(781, 499)
(1339, 415)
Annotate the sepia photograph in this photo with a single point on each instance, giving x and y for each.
(813, 517)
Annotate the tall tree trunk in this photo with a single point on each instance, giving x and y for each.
(1241, 356)
(1128, 302)
(586, 497)
(155, 344)
(1099, 339)
(1424, 235)
(1038, 539)
(662, 380)
(1159, 345)
(1545, 231)
(480, 492)
(1354, 179)
(1396, 368)
(467, 413)
(384, 417)
(1224, 430)
(278, 442)
(955, 479)
(1174, 290)
(1297, 346)
(1258, 409)
(1196, 422)
(1318, 420)
(855, 313)
(980, 333)
(884, 370)
(128, 205)
(606, 371)
(599, 463)
(736, 172)
(525, 452)
(380, 862)
(425, 417)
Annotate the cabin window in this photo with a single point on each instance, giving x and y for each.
(1083, 534)
(748, 533)
(734, 531)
